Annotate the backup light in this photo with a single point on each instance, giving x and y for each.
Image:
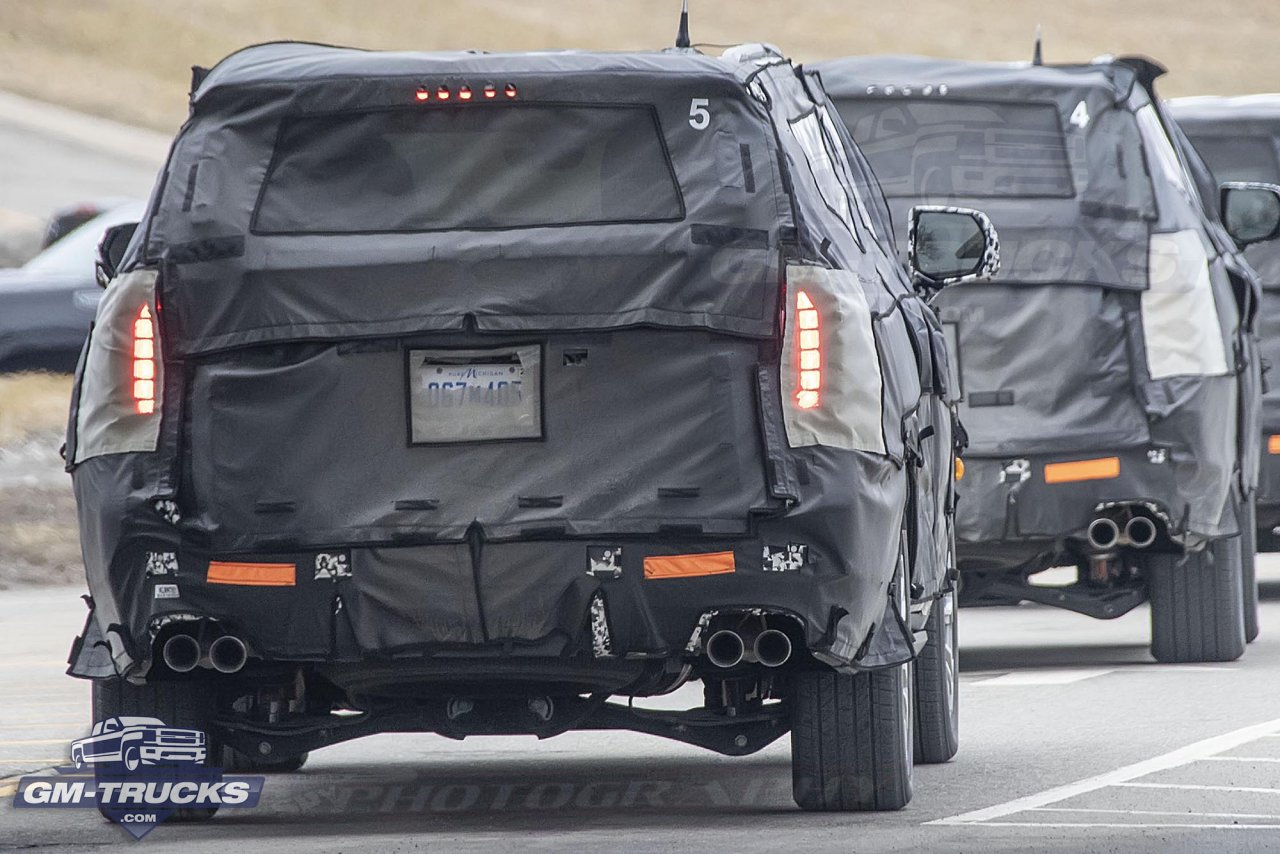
(144, 362)
(809, 352)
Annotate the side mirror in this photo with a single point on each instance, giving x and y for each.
(1250, 211)
(946, 245)
(115, 240)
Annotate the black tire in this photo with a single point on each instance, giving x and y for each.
(179, 704)
(937, 685)
(1249, 567)
(234, 760)
(1197, 604)
(851, 742)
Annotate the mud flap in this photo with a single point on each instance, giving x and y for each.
(892, 641)
(90, 656)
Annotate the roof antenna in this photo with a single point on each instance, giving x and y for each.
(682, 35)
(1036, 58)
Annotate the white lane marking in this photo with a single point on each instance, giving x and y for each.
(1240, 759)
(1039, 677)
(1158, 812)
(1116, 825)
(1172, 759)
(1197, 787)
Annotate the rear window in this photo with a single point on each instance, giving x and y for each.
(467, 167)
(961, 148)
(1239, 158)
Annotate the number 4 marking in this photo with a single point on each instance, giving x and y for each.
(1080, 116)
(699, 118)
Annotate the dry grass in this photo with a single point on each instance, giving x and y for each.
(130, 59)
(39, 537)
(31, 404)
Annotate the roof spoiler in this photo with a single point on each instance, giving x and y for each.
(1146, 69)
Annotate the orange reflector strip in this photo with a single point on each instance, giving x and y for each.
(1102, 468)
(253, 574)
(959, 469)
(688, 566)
(1273, 444)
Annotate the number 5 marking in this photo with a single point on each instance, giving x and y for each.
(699, 118)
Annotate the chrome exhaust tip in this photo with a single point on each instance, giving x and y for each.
(1140, 531)
(227, 654)
(772, 648)
(725, 648)
(1103, 533)
(181, 653)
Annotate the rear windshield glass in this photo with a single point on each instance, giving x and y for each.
(467, 167)
(1239, 158)
(961, 148)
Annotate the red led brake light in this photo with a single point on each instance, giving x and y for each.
(144, 362)
(808, 352)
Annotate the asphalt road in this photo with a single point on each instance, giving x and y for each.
(51, 157)
(1073, 740)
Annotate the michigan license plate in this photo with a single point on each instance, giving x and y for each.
(475, 395)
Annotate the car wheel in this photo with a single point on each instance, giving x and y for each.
(234, 760)
(851, 741)
(1249, 566)
(937, 685)
(1197, 603)
(184, 704)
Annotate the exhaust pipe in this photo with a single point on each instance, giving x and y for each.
(772, 648)
(725, 648)
(1103, 533)
(227, 654)
(1140, 532)
(181, 653)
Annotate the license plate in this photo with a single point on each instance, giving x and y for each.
(475, 395)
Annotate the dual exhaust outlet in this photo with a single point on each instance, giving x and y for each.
(1105, 533)
(182, 653)
(729, 648)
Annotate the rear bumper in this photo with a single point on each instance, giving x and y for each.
(1010, 517)
(353, 611)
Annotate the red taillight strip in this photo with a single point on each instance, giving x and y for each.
(144, 362)
(808, 352)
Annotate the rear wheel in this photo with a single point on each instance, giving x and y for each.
(1249, 567)
(937, 686)
(178, 704)
(1197, 603)
(851, 741)
(234, 760)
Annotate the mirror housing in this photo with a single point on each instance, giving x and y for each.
(111, 248)
(1250, 211)
(947, 245)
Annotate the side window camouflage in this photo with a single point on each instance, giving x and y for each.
(808, 131)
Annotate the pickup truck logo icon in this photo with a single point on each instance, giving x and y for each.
(135, 741)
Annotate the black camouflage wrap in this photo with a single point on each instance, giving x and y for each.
(283, 430)
(1055, 356)
(1239, 138)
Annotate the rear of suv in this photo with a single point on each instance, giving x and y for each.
(1109, 377)
(459, 393)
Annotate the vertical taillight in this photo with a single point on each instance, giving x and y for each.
(144, 362)
(808, 352)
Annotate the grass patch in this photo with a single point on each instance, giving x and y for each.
(32, 403)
